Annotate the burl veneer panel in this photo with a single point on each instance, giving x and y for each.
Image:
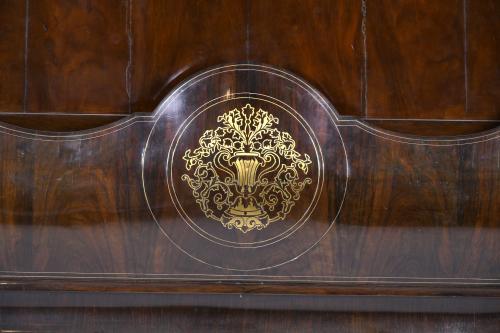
(246, 174)
(415, 60)
(78, 57)
(12, 52)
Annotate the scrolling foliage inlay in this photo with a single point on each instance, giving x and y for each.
(246, 174)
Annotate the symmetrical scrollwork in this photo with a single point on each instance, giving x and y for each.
(246, 173)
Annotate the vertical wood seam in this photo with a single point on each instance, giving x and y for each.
(128, 69)
(26, 51)
(364, 88)
(247, 30)
(466, 46)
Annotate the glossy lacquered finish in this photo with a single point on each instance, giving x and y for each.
(382, 213)
(182, 319)
(371, 59)
(100, 229)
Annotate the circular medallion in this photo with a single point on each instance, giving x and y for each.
(247, 173)
(242, 174)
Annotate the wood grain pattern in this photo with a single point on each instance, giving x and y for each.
(12, 55)
(318, 40)
(416, 212)
(415, 59)
(414, 247)
(78, 57)
(224, 320)
(194, 35)
(378, 60)
(434, 128)
(482, 59)
(58, 122)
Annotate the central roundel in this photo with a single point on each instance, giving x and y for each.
(246, 173)
(239, 180)
(244, 169)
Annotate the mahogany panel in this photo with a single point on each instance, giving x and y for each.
(78, 57)
(415, 60)
(174, 39)
(483, 27)
(12, 55)
(181, 319)
(402, 60)
(320, 40)
(394, 213)
(58, 122)
(434, 128)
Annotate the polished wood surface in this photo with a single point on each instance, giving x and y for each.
(12, 61)
(223, 320)
(324, 47)
(434, 128)
(396, 103)
(377, 60)
(197, 35)
(483, 77)
(415, 212)
(77, 57)
(71, 122)
(416, 60)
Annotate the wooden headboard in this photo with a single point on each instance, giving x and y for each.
(246, 180)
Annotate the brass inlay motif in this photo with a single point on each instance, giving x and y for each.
(246, 173)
